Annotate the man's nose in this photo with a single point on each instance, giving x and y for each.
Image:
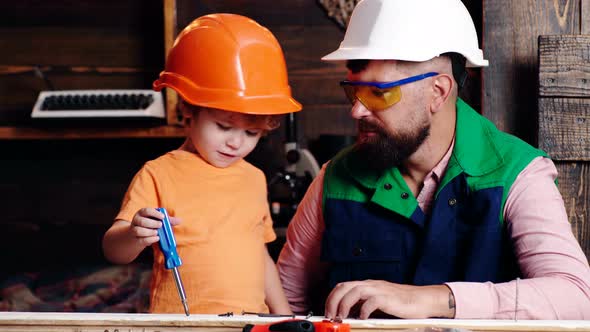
(359, 111)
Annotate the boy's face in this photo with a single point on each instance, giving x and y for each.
(222, 138)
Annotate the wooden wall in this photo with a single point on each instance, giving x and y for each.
(564, 121)
(511, 88)
(510, 41)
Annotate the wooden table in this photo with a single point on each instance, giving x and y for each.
(94, 322)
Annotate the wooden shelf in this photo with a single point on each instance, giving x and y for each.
(27, 133)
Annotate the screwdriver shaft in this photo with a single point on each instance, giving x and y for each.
(180, 287)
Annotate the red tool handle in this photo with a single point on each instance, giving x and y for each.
(290, 325)
(331, 326)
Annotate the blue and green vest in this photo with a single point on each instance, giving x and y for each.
(376, 230)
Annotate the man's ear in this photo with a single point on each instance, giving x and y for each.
(442, 87)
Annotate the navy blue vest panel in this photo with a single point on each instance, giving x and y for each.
(366, 242)
(462, 240)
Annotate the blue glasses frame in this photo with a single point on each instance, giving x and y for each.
(387, 85)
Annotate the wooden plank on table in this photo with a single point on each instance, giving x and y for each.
(575, 189)
(564, 128)
(20, 321)
(510, 44)
(564, 66)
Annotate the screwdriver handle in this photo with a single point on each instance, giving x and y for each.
(167, 242)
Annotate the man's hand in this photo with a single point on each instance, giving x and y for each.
(401, 301)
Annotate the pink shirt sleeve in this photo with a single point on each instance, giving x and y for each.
(556, 276)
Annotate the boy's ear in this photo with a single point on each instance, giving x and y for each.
(186, 111)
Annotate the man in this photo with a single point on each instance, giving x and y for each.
(433, 212)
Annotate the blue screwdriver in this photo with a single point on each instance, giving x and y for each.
(168, 247)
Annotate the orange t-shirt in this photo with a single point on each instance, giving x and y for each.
(221, 241)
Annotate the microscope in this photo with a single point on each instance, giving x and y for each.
(288, 186)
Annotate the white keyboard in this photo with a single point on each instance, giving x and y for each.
(99, 104)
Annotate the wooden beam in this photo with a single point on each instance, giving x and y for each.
(585, 17)
(169, 36)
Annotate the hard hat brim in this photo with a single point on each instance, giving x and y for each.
(234, 101)
(361, 53)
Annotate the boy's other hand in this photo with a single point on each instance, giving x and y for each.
(145, 224)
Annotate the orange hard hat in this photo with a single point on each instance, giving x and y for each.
(229, 62)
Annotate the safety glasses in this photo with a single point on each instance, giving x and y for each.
(377, 96)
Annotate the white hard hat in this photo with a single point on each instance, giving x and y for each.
(410, 30)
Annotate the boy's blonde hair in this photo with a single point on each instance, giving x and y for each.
(266, 122)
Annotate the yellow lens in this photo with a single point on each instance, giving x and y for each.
(376, 99)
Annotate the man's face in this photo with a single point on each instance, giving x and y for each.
(388, 138)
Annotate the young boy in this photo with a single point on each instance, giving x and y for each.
(231, 76)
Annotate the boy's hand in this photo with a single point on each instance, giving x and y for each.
(145, 224)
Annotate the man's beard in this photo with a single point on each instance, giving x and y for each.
(385, 150)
